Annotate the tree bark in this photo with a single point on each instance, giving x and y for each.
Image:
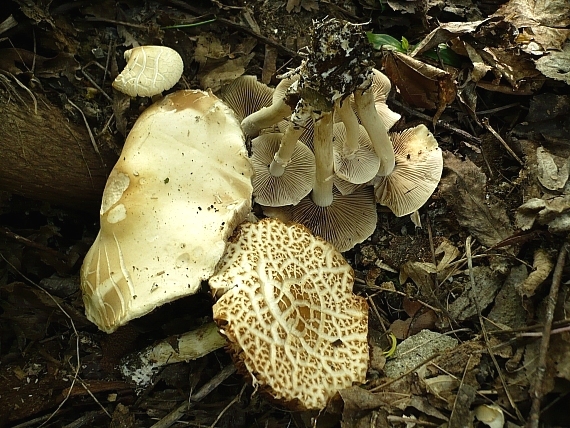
(44, 156)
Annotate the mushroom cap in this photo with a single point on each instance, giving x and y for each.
(363, 165)
(419, 164)
(293, 185)
(348, 221)
(245, 95)
(169, 205)
(149, 71)
(290, 314)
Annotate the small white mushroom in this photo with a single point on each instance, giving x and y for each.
(149, 71)
(419, 164)
(181, 185)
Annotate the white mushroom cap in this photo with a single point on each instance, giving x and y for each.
(149, 71)
(358, 167)
(290, 315)
(180, 187)
(381, 88)
(296, 181)
(419, 164)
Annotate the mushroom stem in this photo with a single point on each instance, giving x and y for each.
(322, 194)
(276, 112)
(364, 101)
(299, 118)
(264, 118)
(350, 121)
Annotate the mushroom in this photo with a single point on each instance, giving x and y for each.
(362, 164)
(419, 164)
(294, 182)
(245, 95)
(276, 112)
(181, 185)
(149, 71)
(286, 305)
(347, 221)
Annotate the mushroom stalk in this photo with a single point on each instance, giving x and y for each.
(322, 194)
(364, 101)
(350, 121)
(264, 118)
(277, 111)
(299, 118)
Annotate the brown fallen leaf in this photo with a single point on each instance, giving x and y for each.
(463, 186)
(542, 264)
(420, 84)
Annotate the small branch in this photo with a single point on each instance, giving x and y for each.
(486, 124)
(177, 413)
(537, 392)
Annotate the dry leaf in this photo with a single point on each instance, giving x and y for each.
(552, 170)
(420, 84)
(542, 265)
(485, 288)
(463, 186)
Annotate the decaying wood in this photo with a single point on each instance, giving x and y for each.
(46, 157)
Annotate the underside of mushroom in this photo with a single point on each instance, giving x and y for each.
(334, 103)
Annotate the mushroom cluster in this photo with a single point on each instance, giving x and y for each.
(286, 306)
(333, 142)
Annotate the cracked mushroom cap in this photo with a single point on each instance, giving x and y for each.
(168, 208)
(419, 164)
(290, 315)
(290, 187)
(149, 71)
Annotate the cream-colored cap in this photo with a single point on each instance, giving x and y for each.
(149, 71)
(180, 187)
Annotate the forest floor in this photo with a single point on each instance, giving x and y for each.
(477, 298)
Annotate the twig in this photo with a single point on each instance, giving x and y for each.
(441, 123)
(537, 392)
(177, 413)
(88, 77)
(93, 143)
(498, 109)
(461, 383)
(484, 330)
(230, 404)
(486, 124)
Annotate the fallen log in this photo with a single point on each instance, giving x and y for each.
(46, 157)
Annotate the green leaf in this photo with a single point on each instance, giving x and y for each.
(405, 44)
(379, 40)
